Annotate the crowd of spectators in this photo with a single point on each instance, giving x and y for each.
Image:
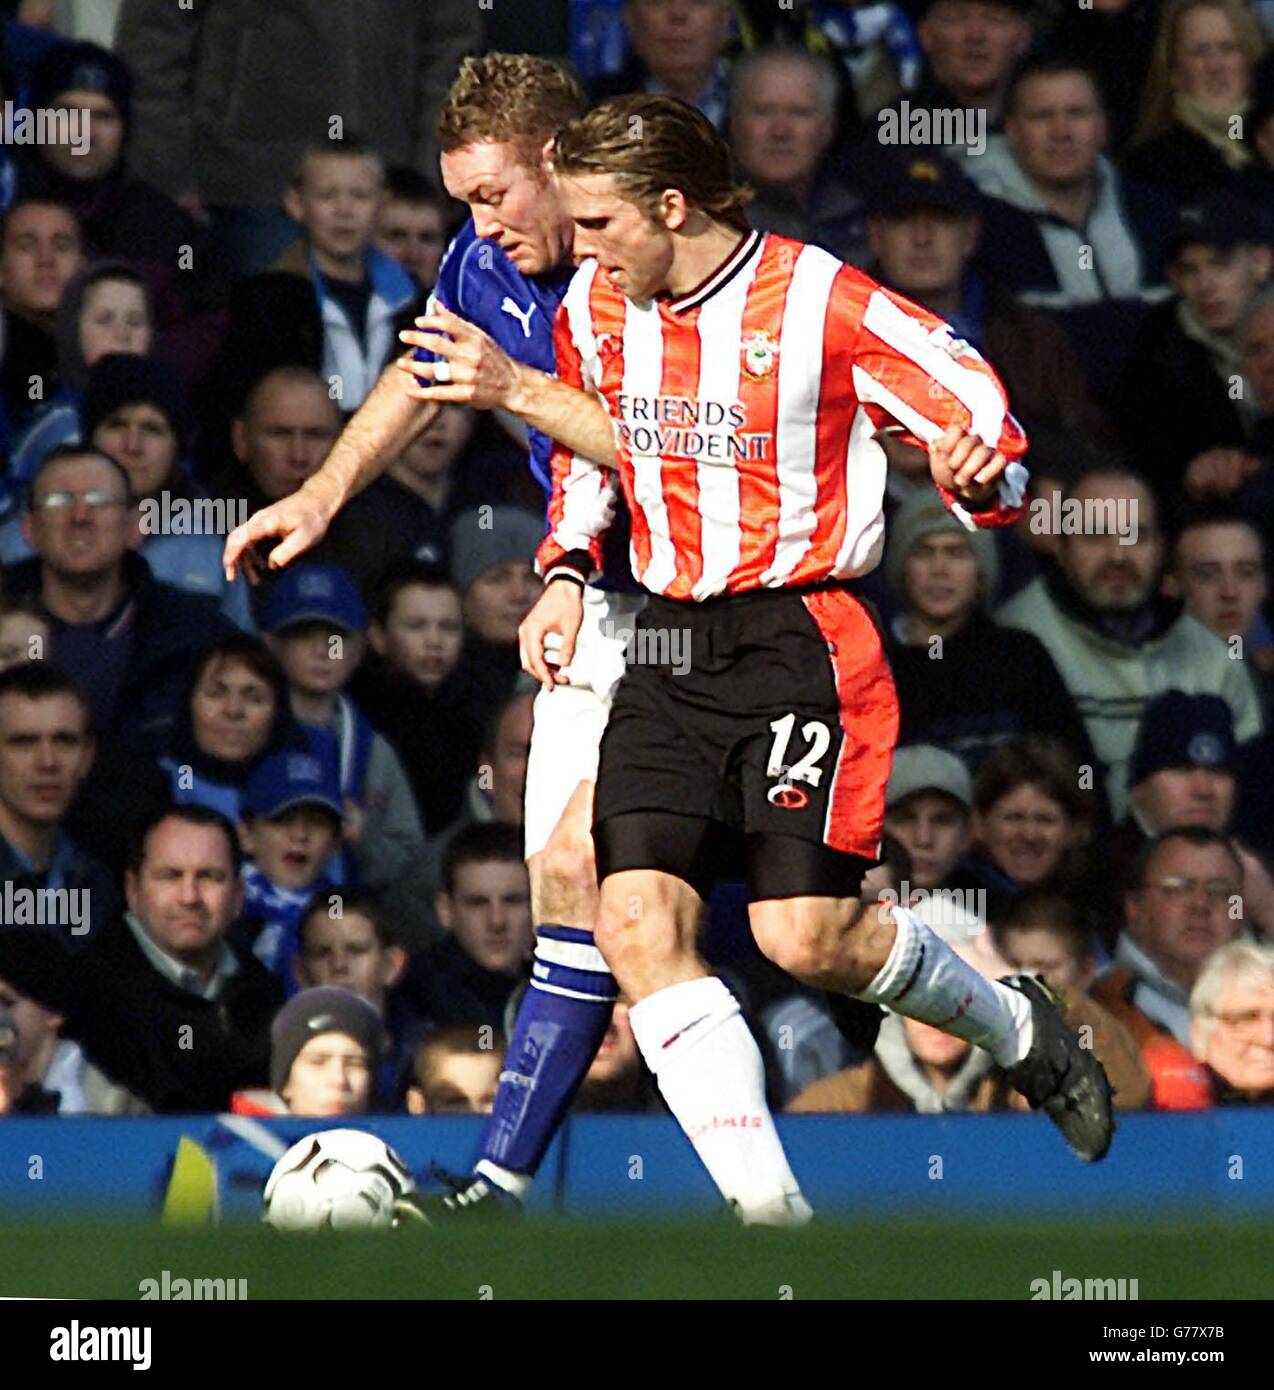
(260, 843)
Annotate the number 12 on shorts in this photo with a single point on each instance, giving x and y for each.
(817, 736)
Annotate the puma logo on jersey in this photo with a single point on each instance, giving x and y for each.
(523, 316)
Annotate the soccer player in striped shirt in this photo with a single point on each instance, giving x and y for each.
(507, 270)
(746, 377)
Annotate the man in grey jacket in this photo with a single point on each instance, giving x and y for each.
(229, 94)
(1062, 229)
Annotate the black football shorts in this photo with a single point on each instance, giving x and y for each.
(768, 716)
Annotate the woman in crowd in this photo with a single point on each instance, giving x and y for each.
(237, 712)
(1032, 822)
(1191, 136)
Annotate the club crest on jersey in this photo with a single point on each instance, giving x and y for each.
(759, 353)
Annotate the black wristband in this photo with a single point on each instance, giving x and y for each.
(575, 564)
(564, 572)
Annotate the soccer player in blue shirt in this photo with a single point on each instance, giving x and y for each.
(506, 271)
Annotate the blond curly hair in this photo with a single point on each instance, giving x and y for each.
(511, 97)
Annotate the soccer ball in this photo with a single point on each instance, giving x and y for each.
(344, 1179)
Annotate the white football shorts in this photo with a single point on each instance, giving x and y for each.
(569, 719)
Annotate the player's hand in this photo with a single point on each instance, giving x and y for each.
(1218, 473)
(555, 619)
(475, 369)
(966, 466)
(301, 519)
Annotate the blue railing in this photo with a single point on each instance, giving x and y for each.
(1219, 1164)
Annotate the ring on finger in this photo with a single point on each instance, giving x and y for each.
(442, 372)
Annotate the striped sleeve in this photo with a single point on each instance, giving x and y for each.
(909, 367)
(583, 496)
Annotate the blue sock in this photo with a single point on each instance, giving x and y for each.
(560, 1025)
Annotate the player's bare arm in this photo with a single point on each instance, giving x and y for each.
(476, 371)
(385, 424)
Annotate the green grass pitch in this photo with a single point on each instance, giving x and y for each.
(687, 1260)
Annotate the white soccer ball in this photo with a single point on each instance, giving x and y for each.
(345, 1179)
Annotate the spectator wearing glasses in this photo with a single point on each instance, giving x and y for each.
(1232, 1023)
(1184, 771)
(1185, 903)
(128, 638)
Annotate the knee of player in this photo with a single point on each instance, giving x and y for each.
(816, 946)
(785, 937)
(567, 865)
(624, 930)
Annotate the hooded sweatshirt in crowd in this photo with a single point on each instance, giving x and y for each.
(1113, 664)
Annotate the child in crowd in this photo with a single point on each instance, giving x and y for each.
(316, 623)
(325, 1046)
(414, 687)
(25, 634)
(456, 1072)
(411, 226)
(335, 195)
(426, 485)
(291, 829)
(345, 939)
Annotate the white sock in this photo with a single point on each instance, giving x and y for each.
(924, 979)
(515, 1184)
(709, 1070)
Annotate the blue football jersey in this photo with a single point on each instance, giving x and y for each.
(480, 283)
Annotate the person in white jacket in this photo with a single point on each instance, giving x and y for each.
(1114, 638)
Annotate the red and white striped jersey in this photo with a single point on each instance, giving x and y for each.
(744, 416)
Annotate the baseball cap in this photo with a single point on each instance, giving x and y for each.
(1217, 219)
(924, 767)
(284, 780)
(483, 538)
(1180, 730)
(907, 181)
(315, 593)
(313, 1012)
